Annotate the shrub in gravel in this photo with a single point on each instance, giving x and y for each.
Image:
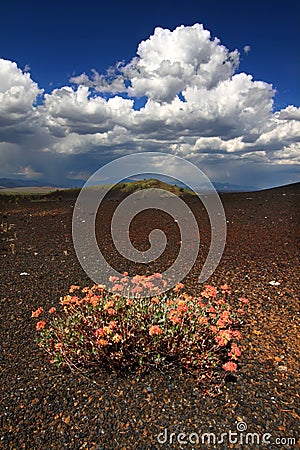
(123, 330)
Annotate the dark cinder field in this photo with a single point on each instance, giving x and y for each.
(44, 407)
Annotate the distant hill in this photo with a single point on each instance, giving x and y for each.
(16, 183)
(220, 187)
(152, 183)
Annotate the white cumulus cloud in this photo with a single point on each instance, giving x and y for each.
(18, 92)
(171, 61)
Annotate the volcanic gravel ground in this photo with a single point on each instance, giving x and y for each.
(44, 407)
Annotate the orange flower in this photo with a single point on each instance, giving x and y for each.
(224, 319)
(155, 329)
(98, 287)
(101, 287)
(107, 330)
(102, 342)
(65, 300)
(178, 287)
(220, 302)
(99, 332)
(68, 299)
(174, 319)
(170, 302)
(137, 289)
(225, 288)
(109, 304)
(117, 338)
(186, 296)
(221, 323)
(157, 275)
(52, 310)
(113, 324)
(235, 351)
(111, 311)
(40, 325)
(129, 302)
(94, 300)
(155, 300)
(73, 288)
(200, 304)
(223, 337)
(236, 334)
(37, 313)
(181, 302)
(213, 329)
(202, 320)
(118, 287)
(182, 308)
(230, 366)
(113, 278)
(125, 274)
(244, 300)
(209, 291)
(136, 279)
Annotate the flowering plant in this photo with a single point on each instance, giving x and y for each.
(124, 332)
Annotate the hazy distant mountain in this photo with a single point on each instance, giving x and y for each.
(228, 187)
(15, 183)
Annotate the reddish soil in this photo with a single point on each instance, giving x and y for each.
(44, 407)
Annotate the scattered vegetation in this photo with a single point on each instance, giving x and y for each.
(139, 185)
(42, 195)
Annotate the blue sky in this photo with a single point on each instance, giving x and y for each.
(238, 120)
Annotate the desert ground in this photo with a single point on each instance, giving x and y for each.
(45, 407)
